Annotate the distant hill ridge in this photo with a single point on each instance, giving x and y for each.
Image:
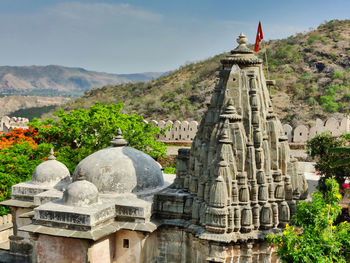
(54, 80)
(312, 72)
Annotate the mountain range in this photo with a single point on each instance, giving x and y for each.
(54, 80)
(311, 69)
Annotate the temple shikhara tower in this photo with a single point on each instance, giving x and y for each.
(235, 185)
(238, 182)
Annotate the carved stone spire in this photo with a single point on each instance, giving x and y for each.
(218, 193)
(240, 177)
(119, 141)
(52, 155)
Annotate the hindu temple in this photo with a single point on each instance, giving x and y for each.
(236, 184)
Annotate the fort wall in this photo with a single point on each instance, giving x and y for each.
(184, 131)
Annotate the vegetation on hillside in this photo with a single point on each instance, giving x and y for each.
(180, 94)
(32, 113)
(312, 71)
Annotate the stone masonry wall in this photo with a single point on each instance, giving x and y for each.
(184, 131)
(6, 230)
(176, 245)
(7, 124)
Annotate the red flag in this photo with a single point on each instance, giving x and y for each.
(259, 37)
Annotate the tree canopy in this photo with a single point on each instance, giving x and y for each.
(73, 136)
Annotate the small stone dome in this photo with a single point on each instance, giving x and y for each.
(50, 172)
(121, 169)
(80, 193)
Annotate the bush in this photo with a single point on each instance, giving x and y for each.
(19, 155)
(328, 104)
(338, 75)
(169, 170)
(346, 97)
(319, 148)
(314, 235)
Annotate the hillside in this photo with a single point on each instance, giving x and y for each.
(56, 80)
(312, 72)
(12, 105)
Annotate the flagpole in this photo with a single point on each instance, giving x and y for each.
(267, 64)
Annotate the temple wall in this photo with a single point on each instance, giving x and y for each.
(19, 220)
(61, 249)
(103, 250)
(128, 246)
(184, 131)
(178, 246)
(6, 230)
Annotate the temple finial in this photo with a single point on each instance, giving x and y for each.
(242, 39)
(81, 175)
(119, 141)
(52, 155)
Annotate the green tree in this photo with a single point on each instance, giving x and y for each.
(319, 148)
(17, 164)
(314, 235)
(79, 133)
(344, 159)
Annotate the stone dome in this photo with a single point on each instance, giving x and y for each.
(50, 172)
(80, 193)
(120, 169)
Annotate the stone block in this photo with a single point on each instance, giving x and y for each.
(56, 213)
(288, 131)
(301, 134)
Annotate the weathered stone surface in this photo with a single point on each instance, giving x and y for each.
(47, 196)
(51, 173)
(57, 213)
(121, 170)
(81, 194)
(238, 171)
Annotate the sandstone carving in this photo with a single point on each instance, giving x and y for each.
(239, 175)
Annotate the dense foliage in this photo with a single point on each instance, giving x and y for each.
(73, 136)
(319, 148)
(314, 235)
(344, 152)
(79, 133)
(19, 155)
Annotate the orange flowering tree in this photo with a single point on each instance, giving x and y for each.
(74, 136)
(19, 155)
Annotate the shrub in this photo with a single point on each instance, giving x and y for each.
(169, 170)
(314, 235)
(338, 75)
(346, 97)
(328, 104)
(19, 155)
(319, 148)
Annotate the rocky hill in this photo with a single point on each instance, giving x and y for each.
(12, 104)
(56, 80)
(312, 72)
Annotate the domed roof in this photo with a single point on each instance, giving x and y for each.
(120, 169)
(50, 172)
(80, 193)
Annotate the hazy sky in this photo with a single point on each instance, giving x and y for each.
(150, 35)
